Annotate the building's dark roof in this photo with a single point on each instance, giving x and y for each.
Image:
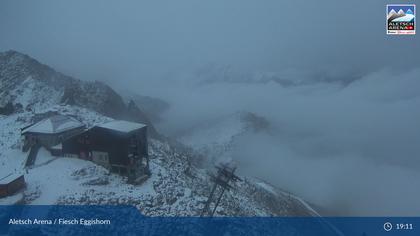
(53, 125)
(9, 178)
(122, 126)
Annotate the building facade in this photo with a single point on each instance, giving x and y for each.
(51, 131)
(119, 146)
(11, 184)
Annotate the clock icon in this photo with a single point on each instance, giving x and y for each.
(387, 226)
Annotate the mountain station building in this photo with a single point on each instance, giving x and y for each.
(120, 146)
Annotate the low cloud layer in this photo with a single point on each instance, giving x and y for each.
(349, 149)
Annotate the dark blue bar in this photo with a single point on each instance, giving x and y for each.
(127, 220)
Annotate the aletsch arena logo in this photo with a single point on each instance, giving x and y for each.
(401, 19)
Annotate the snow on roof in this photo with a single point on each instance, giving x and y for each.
(54, 124)
(122, 126)
(9, 178)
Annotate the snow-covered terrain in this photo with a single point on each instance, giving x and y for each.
(215, 138)
(28, 85)
(176, 186)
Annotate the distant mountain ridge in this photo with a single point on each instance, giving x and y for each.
(152, 106)
(27, 83)
(216, 138)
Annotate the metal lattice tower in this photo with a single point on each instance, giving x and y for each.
(225, 175)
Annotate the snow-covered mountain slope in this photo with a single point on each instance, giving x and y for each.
(176, 186)
(214, 138)
(26, 84)
(153, 107)
(227, 74)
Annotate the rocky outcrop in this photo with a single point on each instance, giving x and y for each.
(23, 77)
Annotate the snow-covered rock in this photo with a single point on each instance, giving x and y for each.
(215, 138)
(176, 186)
(29, 85)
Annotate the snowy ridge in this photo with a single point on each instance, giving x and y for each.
(32, 95)
(215, 132)
(28, 85)
(215, 138)
(176, 186)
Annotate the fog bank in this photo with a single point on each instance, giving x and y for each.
(342, 147)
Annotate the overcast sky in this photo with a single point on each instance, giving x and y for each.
(140, 40)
